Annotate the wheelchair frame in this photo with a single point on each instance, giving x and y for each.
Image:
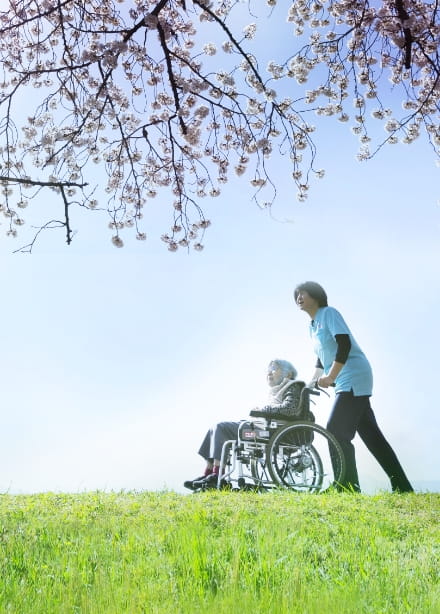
(276, 453)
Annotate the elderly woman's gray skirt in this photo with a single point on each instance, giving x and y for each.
(211, 447)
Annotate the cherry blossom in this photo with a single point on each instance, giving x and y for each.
(129, 100)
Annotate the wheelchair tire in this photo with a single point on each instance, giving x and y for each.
(305, 457)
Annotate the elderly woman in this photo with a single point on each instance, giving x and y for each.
(342, 363)
(284, 401)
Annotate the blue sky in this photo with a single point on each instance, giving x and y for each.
(116, 361)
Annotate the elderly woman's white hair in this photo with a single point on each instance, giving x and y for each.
(287, 368)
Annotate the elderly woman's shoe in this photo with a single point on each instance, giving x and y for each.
(191, 483)
(207, 482)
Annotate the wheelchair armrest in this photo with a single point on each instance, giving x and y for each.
(257, 413)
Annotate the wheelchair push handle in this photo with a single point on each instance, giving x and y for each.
(316, 390)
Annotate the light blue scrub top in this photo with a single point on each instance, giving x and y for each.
(356, 374)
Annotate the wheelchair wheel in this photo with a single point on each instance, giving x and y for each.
(260, 473)
(305, 457)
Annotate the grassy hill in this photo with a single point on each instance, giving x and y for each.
(133, 553)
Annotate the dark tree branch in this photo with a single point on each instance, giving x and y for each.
(171, 76)
(66, 216)
(8, 179)
(403, 16)
(141, 24)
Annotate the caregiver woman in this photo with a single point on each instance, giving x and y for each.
(340, 361)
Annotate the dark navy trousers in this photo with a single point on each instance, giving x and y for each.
(351, 415)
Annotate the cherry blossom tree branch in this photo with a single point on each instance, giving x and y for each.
(404, 18)
(142, 22)
(27, 181)
(171, 76)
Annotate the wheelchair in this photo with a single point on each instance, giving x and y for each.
(271, 452)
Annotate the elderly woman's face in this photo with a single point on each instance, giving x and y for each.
(274, 374)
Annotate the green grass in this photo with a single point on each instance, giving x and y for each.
(218, 552)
